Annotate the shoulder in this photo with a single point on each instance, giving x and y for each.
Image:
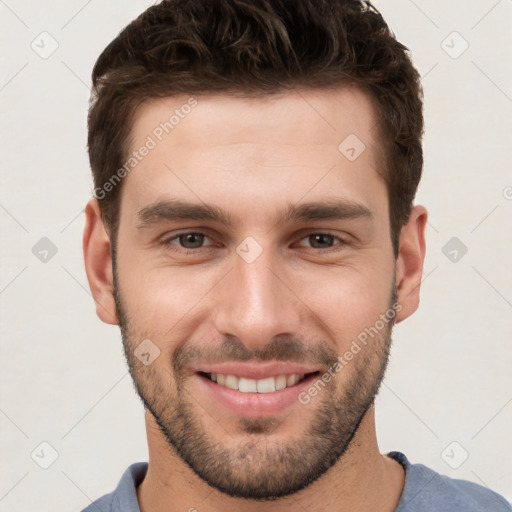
(124, 497)
(103, 504)
(426, 490)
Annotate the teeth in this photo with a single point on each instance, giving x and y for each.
(231, 382)
(292, 379)
(267, 385)
(281, 382)
(247, 385)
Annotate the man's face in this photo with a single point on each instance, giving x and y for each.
(270, 292)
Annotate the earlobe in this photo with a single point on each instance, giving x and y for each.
(409, 263)
(98, 263)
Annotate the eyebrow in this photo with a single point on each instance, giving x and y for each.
(175, 210)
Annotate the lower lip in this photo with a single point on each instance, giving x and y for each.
(254, 405)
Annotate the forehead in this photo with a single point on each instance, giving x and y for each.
(279, 147)
(320, 116)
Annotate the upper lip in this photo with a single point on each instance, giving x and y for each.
(257, 370)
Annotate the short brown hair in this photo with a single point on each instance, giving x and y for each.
(257, 47)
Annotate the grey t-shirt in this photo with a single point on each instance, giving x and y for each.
(424, 491)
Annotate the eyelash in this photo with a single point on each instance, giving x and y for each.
(167, 243)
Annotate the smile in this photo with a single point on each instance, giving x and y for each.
(266, 385)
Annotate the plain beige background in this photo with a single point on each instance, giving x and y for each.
(447, 397)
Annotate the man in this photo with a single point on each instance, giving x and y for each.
(253, 234)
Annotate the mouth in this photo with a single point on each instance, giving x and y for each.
(247, 394)
(266, 385)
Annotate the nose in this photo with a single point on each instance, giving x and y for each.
(257, 302)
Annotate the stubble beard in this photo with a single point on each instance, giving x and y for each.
(259, 468)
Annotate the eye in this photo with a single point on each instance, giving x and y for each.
(189, 240)
(321, 240)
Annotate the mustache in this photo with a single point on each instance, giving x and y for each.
(284, 347)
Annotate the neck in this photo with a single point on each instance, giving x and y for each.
(363, 479)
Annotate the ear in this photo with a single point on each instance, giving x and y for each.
(98, 263)
(409, 263)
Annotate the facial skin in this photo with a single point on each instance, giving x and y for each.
(302, 301)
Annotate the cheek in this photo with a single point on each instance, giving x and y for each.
(161, 302)
(168, 303)
(348, 300)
